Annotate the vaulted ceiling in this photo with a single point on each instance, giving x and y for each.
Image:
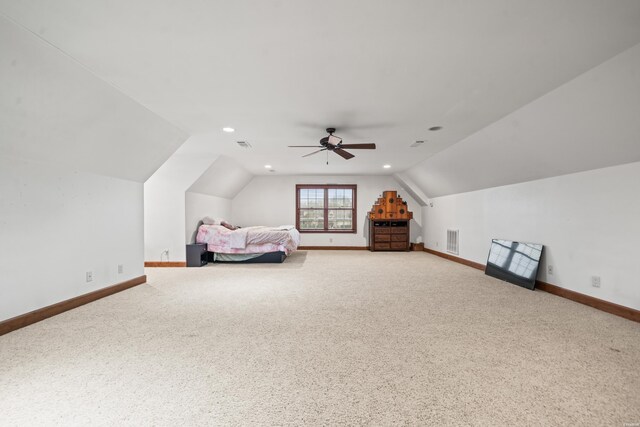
(54, 111)
(280, 72)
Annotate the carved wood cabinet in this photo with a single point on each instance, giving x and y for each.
(389, 223)
(389, 235)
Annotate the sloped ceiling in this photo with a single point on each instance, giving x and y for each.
(589, 123)
(383, 72)
(224, 178)
(56, 111)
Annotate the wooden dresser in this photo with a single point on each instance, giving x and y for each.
(389, 235)
(389, 223)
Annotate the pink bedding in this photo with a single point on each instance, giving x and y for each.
(249, 240)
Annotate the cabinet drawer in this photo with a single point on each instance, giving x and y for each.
(383, 237)
(399, 238)
(382, 230)
(380, 246)
(399, 245)
(398, 230)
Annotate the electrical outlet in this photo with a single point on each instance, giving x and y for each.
(436, 243)
(550, 270)
(89, 276)
(595, 281)
(120, 268)
(330, 240)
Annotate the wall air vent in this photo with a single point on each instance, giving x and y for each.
(417, 144)
(244, 144)
(452, 241)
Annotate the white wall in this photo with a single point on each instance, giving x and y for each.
(164, 203)
(56, 224)
(271, 200)
(589, 223)
(197, 206)
(74, 152)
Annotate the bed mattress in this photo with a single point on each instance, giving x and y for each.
(249, 240)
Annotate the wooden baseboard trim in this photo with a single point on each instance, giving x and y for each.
(609, 307)
(456, 259)
(32, 317)
(333, 248)
(602, 305)
(165, 263)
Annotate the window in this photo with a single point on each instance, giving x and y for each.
(326, 208)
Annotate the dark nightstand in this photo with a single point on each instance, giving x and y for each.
(196, 255)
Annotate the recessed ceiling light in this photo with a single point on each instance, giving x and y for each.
(435, 128)
(228, 129)
(386, 166)
(267, 166)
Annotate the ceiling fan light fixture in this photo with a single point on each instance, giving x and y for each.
(334, 144)
(334, 140)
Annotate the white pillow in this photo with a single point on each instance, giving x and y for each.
(285, 227)
(207, 220)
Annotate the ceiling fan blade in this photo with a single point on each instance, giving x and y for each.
(334, 140)
(305, 146)
(359, 146)
(342, 153)
(311, 154)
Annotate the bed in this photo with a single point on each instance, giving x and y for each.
(248, 244)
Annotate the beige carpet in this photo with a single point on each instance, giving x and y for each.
(329, 337)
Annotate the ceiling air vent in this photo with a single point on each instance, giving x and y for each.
(244, 144)
(417, 144)
(452, 241)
